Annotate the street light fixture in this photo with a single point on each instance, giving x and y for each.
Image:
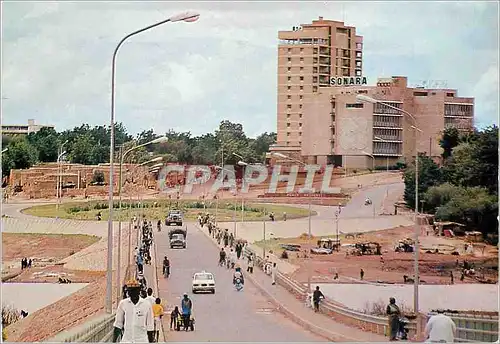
(244, 164)
(59, 172)
(186, 17)
(5, 150)
(368, 99)
(280, 155)
(160, 158)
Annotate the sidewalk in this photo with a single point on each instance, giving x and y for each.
(297, 311)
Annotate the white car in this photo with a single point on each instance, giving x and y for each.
(203, 281)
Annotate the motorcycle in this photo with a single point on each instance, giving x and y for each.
(368, 202)
(403, 329)
(238, 284)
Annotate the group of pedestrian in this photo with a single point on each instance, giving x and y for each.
(440, 328)
(138, 317)
(26, 263)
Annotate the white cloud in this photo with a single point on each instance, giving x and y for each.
(190, 76)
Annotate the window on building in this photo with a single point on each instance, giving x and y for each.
(354, 106)
(362, 91)
(289, 78)
(450, 94)
(288, 143)
(301, 78)
(300, 133)
(315, 60)
(289, 87)
(289, 106)
(289, 69)
(301, 88)
(300, 115)
(300, 97)
(288, 97)
(289, 50)
(301, 50)
(420, 94)
(359, 46)
(315, 79)
(301, 68)
(315, 88)
(301, 59)
(289, 59)
(288, 125)
(287, 115)
(287, 134)
(315, 69)
(300, 106)
(358, 73)
(300, 125)
(315, 50)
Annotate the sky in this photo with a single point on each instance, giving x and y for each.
(56, 58)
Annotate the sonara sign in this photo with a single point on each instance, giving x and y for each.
(348, 81)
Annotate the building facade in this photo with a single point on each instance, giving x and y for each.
(23, 129)
(342, 129)
(308, 57)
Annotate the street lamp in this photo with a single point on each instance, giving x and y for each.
(59, 171)
(244, 164)
(120, 182)
(59, 178)
(5, 150)
(279, 155)
(187, 17)
(368, 99)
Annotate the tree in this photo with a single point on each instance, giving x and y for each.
(82, 150)
(261, 144)
(47, 142)
(429, 175)
(449, 140)
(20, 155)
(147, 136)
(231, 139)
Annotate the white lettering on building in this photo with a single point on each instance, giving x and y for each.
(348, 81)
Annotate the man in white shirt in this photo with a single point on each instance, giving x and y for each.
(440, 328)
(134, 317)
(150, 297)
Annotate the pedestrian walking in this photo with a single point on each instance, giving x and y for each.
(186, 307)
(361, 274)
(250, 264)
(452, 278)
(393, 314)
(440, 328)
(134, 318)
(274, 272)
(158, 315)
(174, 317)
(150, 297)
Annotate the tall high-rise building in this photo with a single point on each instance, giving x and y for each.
(308, 57)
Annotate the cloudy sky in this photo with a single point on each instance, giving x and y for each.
(56, 58)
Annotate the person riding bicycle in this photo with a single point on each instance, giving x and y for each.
(238, 275)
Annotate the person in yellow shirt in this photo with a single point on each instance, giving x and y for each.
(157, 314)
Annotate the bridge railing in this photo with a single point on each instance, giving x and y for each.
(99, 329)
(470, 328)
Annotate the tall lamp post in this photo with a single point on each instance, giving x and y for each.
(186, 17)
(120, 186)
(279, 155)
(59, 171)
(244, 164)
(368, 99)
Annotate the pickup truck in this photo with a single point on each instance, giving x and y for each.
(174, 217)
(177, 238)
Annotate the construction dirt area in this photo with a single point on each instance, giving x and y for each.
(481, 263)
(45, 251)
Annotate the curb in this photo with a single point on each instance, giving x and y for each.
(331, 336)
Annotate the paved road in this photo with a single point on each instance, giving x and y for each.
(228, 315)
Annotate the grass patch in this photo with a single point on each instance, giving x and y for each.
(159, 210)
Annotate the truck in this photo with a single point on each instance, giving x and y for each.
(174, 217)
(177, 237)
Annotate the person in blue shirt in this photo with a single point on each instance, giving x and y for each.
(186, 307)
